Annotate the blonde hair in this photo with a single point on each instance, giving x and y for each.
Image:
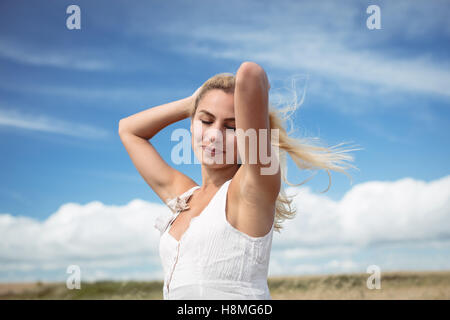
(303, 151)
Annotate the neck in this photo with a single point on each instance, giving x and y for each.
(213, 178)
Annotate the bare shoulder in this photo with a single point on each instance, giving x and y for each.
(250, 206)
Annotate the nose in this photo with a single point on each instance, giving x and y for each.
(214, 135)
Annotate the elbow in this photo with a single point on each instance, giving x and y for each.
(122, 127)
(251, 72)
(249, 67)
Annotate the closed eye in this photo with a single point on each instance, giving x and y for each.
(209, 122)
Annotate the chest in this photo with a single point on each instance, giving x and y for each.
(183, 221)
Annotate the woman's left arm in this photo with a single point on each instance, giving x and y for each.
(259, 161)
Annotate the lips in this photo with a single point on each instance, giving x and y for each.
(211, 149)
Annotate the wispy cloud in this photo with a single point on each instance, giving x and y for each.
(61, 58)
(328, 58)
(39, 122)
(97, 93)
(384, 133)
(17, 196)
(303, 38)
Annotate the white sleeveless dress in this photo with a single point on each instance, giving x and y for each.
(212, 260)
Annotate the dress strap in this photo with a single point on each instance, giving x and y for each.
(177, 205)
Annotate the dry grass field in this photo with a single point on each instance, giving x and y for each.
(394, 285)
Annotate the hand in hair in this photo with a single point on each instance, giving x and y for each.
(194, 95)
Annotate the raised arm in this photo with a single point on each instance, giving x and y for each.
(252, 113)
(135, 132)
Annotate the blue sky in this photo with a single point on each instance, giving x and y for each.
(62, 93)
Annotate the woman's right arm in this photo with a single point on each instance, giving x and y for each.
(135, 132)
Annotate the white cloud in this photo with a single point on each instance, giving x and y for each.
(372, 212)
(398, 222)
(38, 122)
(314, 252)
(372, 221)
(93, 236)
(342, 264)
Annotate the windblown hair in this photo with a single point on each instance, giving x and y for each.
(303, 151)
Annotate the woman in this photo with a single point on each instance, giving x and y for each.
(216, 242)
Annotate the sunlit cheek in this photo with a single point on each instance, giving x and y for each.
(198, 133)
(231, 144)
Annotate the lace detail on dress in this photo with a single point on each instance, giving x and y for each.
(177, 205)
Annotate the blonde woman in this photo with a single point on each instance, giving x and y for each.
(216, 240)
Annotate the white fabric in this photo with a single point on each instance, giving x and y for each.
(212, 260)
(177, 205)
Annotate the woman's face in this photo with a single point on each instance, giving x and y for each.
(213, 130)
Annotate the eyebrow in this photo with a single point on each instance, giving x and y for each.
(210, 114)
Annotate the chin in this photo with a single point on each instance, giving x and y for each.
(209, 161)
